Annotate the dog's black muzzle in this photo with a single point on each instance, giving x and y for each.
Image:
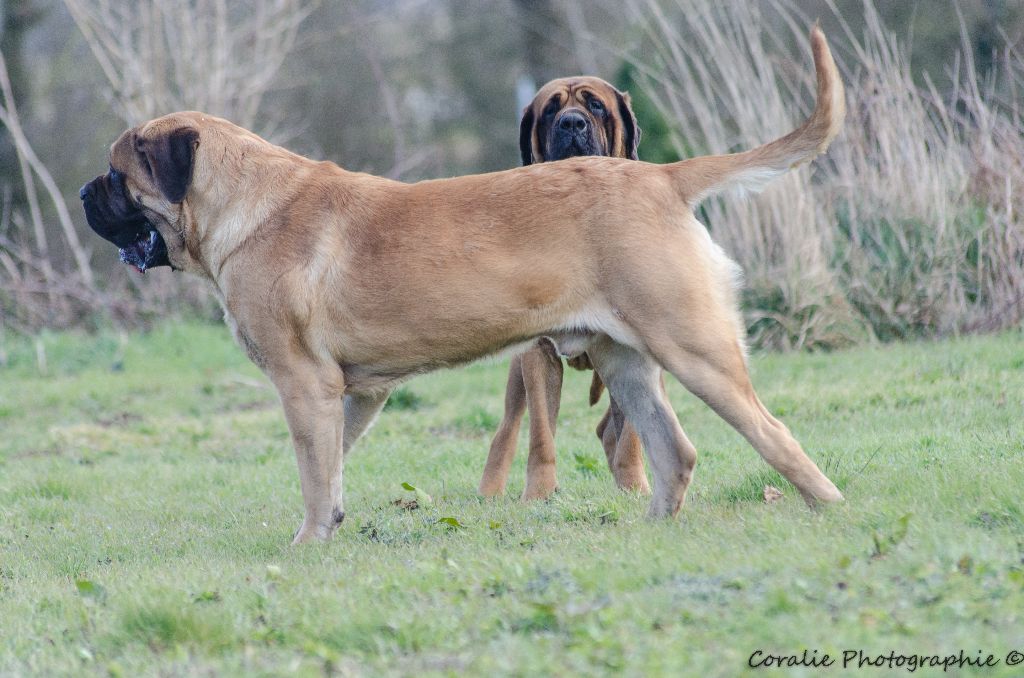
(572, 135)
(115, 217)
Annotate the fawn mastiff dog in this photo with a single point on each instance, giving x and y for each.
(568, 117)
(339, 285)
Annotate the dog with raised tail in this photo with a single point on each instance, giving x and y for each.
(341, 285)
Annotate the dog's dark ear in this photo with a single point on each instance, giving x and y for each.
(526, 135)
(171, 157)
(630, 130)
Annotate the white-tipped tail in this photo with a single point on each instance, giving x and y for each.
(751, 170)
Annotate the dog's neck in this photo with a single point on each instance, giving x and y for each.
(227, 217)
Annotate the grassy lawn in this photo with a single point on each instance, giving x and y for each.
(148, 493)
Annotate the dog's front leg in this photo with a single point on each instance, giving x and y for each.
(542, 374)
(312, 400)
(503, 447)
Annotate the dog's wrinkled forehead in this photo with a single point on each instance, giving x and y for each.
(573, 92)
(157, 157)
(131, 152)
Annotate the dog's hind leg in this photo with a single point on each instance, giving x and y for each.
(709, 361)
(622, 448)
(633, 379)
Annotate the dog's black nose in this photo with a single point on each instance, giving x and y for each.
(571, 121)
(85, 191)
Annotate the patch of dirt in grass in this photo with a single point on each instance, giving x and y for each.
(36, 452)
(406, 504)
(119, 419)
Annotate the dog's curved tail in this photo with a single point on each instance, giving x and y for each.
(699, 178)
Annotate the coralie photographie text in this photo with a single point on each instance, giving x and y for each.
(862, 659)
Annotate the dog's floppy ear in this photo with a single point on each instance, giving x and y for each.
(630, 130)
(526, 135)
(171, 156)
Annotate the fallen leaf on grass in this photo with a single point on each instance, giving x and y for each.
(422, 498)
(772, 494)
(451, 522)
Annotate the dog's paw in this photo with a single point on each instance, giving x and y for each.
(311, 531)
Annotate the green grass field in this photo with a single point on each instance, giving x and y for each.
(148, 493)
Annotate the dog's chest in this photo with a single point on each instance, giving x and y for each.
(243, 339)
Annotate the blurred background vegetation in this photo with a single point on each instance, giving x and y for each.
(910, 227)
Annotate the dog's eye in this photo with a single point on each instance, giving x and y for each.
(595, 106)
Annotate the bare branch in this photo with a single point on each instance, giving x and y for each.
(207, 55)
(27, 158)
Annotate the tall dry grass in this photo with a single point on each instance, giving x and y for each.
(912, 224)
